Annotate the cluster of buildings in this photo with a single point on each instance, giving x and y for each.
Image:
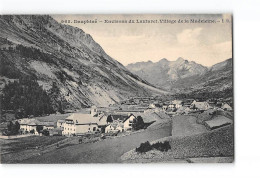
(33, 126)
(188, 106)
(95, 122)
(99, 121)
(81, 124)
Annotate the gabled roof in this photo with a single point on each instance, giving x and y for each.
(31, 122)
(120, 117)
(79, 118)
(115, 124)
(200, 104)
(225, 105)
(103, 120)
(129, 117)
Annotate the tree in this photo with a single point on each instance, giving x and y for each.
(109, 119)
(45, 132)
(39, 129)
(10, 126)
(32, 131)
(25, 97)
(138, 123)
(16, 127)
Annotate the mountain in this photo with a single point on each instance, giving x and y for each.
(183, 76)
(39, 47)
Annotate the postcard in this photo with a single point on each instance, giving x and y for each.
(117, 88)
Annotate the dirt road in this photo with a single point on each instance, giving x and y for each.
(105, 151)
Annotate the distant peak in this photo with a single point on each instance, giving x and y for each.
(180, 59)
(164, 60)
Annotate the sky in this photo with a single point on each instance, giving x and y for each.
(204, 43)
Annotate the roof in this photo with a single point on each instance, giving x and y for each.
(218, 121)
(35, 122)
(176, 102)
(183, 108)
(27, 121)
(200, 104)
(103, 120)
(116, 124)
(128, 117)
(79, 118)
(225, 105)
(120, 117)
(61, 121)
(46, 123)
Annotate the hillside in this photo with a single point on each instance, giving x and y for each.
(183, 76)
(52, 53)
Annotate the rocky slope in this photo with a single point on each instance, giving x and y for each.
(40, 47)
(185, 76)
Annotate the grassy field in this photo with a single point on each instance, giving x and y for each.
(190, 141)
(104, 151)
(215, 143)
(20, 144)
(186, 126)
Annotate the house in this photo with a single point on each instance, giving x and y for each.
(116, 126)
(29, 125)
(164, 107)
(129, 122)
(94, 111)
(200, 105)
(226, 107)
(154, 105)
(102, 123)
(218, 122)
(60, 123)
(183, 110)
(47, 125)
(177, 103)
(79, 124)
(55, 132)
(171, 107)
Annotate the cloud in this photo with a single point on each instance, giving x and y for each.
(189, 36)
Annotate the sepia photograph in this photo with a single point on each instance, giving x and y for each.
(116, 88)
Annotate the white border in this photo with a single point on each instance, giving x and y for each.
(246, 67)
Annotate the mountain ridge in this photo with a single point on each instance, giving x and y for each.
(40, 47)
(181, 75)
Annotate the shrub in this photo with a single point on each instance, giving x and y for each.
(45, 132)
(163, 147)
(138, 123)
(32, 131)
(144, 147)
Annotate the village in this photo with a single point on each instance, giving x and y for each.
(138, 111)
